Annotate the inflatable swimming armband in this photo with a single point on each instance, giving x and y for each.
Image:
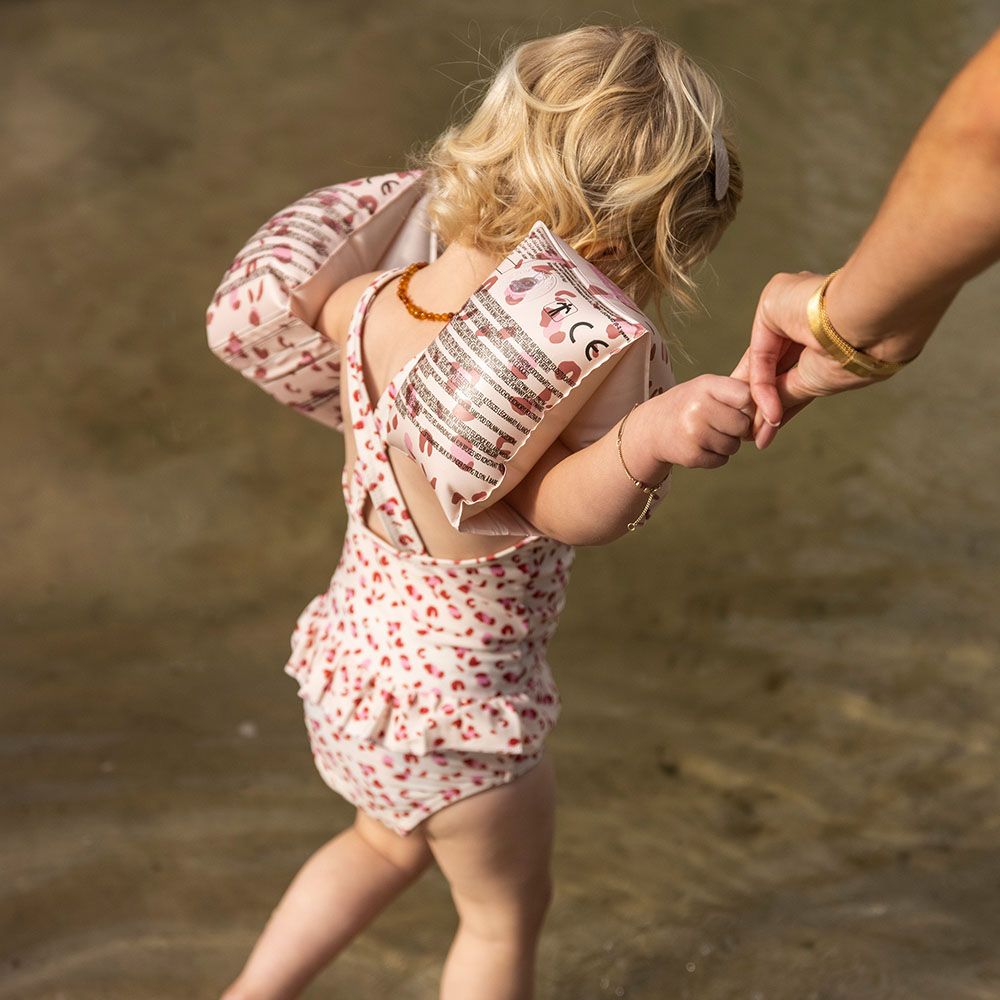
(539, 351)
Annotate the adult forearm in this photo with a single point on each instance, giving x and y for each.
(938, 226)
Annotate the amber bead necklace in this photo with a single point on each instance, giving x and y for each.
(411, 306)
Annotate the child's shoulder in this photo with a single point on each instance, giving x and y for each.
(336, 313)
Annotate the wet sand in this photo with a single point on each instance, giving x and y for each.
(793, 687)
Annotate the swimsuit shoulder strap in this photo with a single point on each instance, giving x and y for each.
(373, 474)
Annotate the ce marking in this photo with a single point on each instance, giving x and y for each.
(594, 346)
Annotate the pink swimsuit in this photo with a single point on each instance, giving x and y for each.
(424, 680)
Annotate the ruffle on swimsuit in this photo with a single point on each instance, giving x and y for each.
(438, 686)
(525, 361)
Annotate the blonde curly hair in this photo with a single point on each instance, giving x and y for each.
(606, 134)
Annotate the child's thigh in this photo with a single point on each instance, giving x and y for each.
(410, 853)
(495, 847)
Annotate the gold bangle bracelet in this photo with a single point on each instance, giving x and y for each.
(849, 356)
(650, 491)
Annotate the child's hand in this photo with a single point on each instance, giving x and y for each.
(702, 422)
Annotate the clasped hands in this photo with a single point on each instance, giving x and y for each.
(782, 370)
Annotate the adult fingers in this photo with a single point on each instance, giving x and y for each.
(794, 390)
(742, 372)
(815, 375)
(780, 331)
(763, 434)
(763, 355)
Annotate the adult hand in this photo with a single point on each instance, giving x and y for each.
(784, 364)
(937, 227)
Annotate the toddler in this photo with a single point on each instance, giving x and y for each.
(501, 404)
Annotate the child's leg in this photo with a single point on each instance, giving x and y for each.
(495, 849)
(334, 896)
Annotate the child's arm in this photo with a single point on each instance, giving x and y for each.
(335, 315)
(586, 497)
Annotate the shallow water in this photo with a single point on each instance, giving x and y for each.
(777, 755)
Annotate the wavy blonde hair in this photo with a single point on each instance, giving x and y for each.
(606, 135)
